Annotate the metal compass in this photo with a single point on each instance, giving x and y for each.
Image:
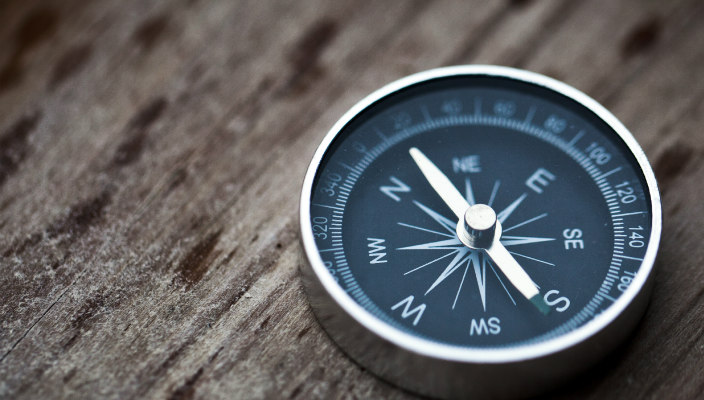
(478, 230)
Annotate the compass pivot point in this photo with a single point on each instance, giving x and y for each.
(480, 225)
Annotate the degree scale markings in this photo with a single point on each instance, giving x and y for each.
(359, 167)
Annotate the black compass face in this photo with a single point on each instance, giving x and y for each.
(568, 193)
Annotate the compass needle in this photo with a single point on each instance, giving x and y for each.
(475, 220)
(498, 253)
(442, 185)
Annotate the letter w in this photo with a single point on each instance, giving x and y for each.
(407, 312)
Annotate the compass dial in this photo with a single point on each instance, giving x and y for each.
(570, 196)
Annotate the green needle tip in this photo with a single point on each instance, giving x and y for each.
(540, 304)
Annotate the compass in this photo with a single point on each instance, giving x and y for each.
(478, 230)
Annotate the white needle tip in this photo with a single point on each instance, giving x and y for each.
(440, 183)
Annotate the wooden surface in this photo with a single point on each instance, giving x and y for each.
(151, 157)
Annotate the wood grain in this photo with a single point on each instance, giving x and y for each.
(151, 157)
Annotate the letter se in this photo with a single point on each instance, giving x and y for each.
(573, 239)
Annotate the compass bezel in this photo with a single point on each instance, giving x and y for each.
(628, 307)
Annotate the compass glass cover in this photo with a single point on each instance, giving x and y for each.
(569, 194)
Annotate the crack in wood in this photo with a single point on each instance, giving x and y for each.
(70, 63)
(75, 223)
(642, 37)
(151, 30)
(305, 55)
(26, 332)
(37, 27)
(195, 264)
(132, 147)
(14, 144)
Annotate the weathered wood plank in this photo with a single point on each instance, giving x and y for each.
(151, 156)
